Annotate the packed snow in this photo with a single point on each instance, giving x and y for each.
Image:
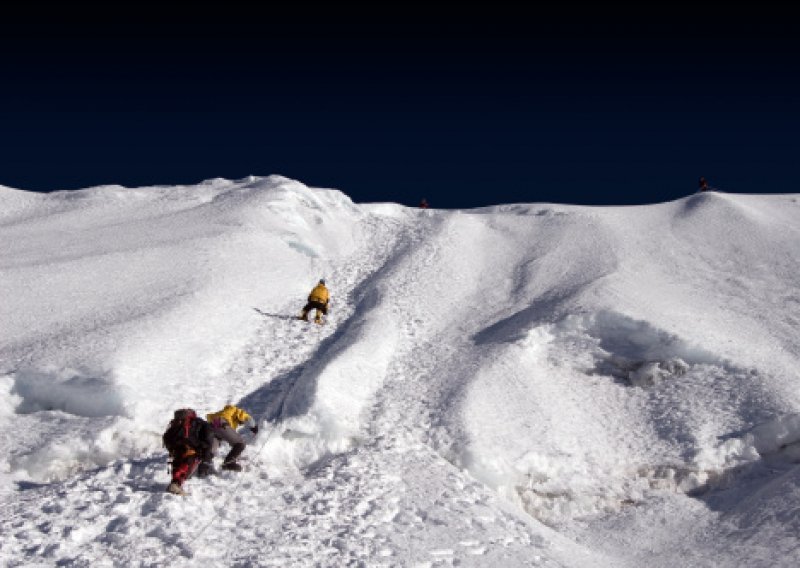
(517, 385)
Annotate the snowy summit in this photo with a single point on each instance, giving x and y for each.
(518, 385)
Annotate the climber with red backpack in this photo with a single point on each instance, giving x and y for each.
(190, 442)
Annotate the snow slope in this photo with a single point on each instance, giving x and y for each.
(519, 385)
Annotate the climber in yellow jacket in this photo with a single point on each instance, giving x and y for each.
(317, 300)
(225, 423)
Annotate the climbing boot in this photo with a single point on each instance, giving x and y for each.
(175, 488)
(232, 466)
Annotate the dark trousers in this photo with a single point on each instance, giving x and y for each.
(319, 306)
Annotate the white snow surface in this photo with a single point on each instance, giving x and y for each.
(518, 385)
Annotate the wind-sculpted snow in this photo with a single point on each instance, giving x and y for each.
(146, 291)
(519, 385)
(73, 392)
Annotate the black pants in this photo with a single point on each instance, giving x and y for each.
(319, 306)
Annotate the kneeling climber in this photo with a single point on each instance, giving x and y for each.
(224, 424)
(317, 300)
(190, 442)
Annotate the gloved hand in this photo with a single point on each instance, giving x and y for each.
(205, 469)
(254, 429)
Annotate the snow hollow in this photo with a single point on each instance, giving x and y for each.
(518, 385)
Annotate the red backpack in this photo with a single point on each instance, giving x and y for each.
(181, 437)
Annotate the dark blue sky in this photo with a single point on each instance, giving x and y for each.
(466, 106)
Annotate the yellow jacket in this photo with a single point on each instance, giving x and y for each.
(319, 294)
(234, 416)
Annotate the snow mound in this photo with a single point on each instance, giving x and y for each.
(635, 351)
(782, 433)
(71, 391)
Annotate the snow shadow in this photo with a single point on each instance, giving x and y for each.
(752, 492)
(700, 200)
(292, 393)
(141, 475)
(516, 326)
(24, 485)
(636, 353)
(757, 464)
(267, 403)
(75, 392)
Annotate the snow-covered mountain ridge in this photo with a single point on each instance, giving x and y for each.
(525, 384)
